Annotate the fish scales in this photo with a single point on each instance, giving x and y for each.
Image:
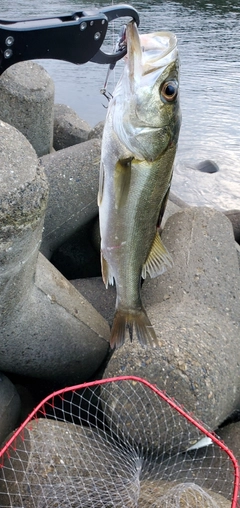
(138, 148)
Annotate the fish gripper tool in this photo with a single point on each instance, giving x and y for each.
(76, 37)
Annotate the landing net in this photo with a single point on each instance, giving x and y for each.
(115, 443)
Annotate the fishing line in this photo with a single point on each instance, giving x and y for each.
(113, 39)
(103, 90)
(117, 46)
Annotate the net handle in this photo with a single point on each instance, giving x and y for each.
(156, 390)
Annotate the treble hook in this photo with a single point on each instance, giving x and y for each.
(106, 94)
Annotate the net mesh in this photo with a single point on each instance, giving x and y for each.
(118, 442)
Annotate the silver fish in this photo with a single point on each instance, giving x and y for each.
(138, 149)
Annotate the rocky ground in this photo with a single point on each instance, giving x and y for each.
(55, 311)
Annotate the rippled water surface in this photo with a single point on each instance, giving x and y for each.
(209, 45)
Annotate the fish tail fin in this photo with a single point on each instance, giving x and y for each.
(137, 321)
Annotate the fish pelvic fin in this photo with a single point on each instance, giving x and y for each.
(137, 321)
(107, 274)
(158, 259)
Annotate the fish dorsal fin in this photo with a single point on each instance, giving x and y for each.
(107, 275)
(122, 177)
(158, 259)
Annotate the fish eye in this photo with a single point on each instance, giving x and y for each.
(169, 90)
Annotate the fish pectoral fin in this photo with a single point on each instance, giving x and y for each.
(107, 274)
(122, 177)
(158, 259)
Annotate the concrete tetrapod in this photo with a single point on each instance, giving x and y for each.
(27, 103)
(194, 309)
(47, 329)
(73, 175)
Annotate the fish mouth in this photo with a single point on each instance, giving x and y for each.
(133, 40)
(134, 51)
(146, 53)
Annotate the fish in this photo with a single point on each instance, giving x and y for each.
(138, 148)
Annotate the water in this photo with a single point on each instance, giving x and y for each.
(208, 33)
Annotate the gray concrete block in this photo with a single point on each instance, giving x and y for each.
(97, 131)
(205, 265)
(55, 463)
(72, 465)
(238, 253)
(73, 175)
(194, 308)
(28, 402)
(27, 101)
(57, 335)
(69, 128)
(102, 299)
(47, 329)
(171, 208)
(76, 257)
(231, 437)
(234, 217)
(23, 195)
(168, 493)
(177, 201)
(9, 407)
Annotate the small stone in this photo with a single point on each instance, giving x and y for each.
(166, 297)
(206, 166)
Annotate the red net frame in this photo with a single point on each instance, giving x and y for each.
(57, 405)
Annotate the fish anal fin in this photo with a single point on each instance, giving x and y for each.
(107, 274)
(137, 321)
(158, 259)
(122, 177)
